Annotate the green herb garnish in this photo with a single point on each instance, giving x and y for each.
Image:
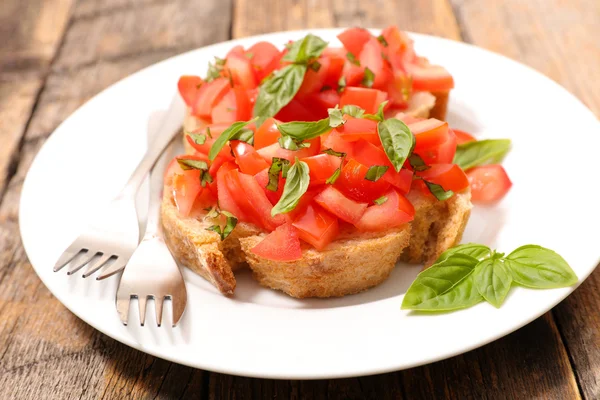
(472, 154)
(397, 140)
(295, 186)
(375, 172)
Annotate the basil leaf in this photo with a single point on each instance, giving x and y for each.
(205, 178)
(226, 136)
(472, 154)
(341, 84)
(447, 285)
(290, 143)
(212, 212)
(336, 117)
(304, 130)
(214, 70)
(353, 111)
(332, 152)
(302, 51)
(382, 40)
(380, 200)
(375, 172)
(190, 163)
(274, 170)
(334, 177)
(315, 66)
(417, 163)
(379, 116)
(438, 191)
(352, 59)
(398, 141)
(230, 224)
(208, 132)
(368, 78)
(537, 267)
(245, 135)
(277, 91)
(295, 186)
(492, 280)
(474, 250)
(198, 138)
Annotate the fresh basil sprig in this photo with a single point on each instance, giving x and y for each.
(277, 166)
(397, 139)
(295, 186)
(230, 224)
(301, 130)
(472, 154)
(227, 135)
(306, 49)
(467, 274)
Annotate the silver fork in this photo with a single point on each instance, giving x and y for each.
(152, 272)
(114, 233)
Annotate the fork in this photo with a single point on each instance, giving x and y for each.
(152, 272)
(114, 233)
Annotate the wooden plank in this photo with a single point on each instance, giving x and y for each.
(45, 351)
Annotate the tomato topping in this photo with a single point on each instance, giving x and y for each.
(296, 110)
(334, 141)
(266, 134)
(353, 184)
(264, 57)
(225, 197)
(275, 150)
(463, 137)
(322, 101)
(394, 212)
(263, 180)
(432, 78)
(316, 226)
(442, 153)
(225, 111)
(371, 58)
(353, 74)
(359, 128)
(489, 183)
(282, 244)
(186, 187)
(367, 99)
(429, 133)
(209, 95)
(400, 49)
(242, 72)
(354, 39)
(247, 158)
(321, 167)
(449, 176)
(172, 169)
(341, 206)
(215, 131)
(314, 80)
(188, 87)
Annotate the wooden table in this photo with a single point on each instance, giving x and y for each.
(56, 54)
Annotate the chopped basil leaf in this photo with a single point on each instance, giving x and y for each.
(336, 174)
(190, 163)
(341, 84)
(325, 88)
(306, 49)
(205, 178)
(332, 152)
(276, 167)
(208, 132)
(353, 111)
(368, 78)
(230, 77)
(212, 212)
(214, 70)
(198, 138)
(249, 55)
(224, 137)
(379, 115)
(438, 191)
(229, 225)
(301, 130)
(397, 139)
(473, 154)
(417, 163)
(315, 66)
(336, 117)
(277, 91)
(352, 59)
(295, 186)
(382, 40)
(220, 61)
(245, 135)
(290, 143)
(380, 200)
(375, 172)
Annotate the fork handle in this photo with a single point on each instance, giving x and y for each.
(160, 137)
(156, 188)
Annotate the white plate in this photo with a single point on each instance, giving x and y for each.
(263, 333)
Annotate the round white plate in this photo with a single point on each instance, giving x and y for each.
(263, 333)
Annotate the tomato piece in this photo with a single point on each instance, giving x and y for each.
(489, 183)
(463, 137)
(172, 169)
(239, 50)
(354, 39)
(296, 110)
(242, 72)
(400, 47)
(225, 111)
(264, 57)
(186, 187)
(249, 161)
(394, 212)
(442, 153)
(215, 131)
(358, 128)
(367, 99)
(353, 184)
(399, 88)
(316, 226)
(314, 80)
(321, 167)
(370, 57)
(334, 71)
(344, 208)
(209, 95)
(429, 133)
(353, 74)
(449, 176)
(324, 100)
(262, 178)
(189, 87)
(275, 150)
(225, 197)
(283, 244)
(267, 134)
(334, 141)
(432, 78)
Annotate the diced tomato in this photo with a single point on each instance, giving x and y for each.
(305, 200)
(205, 199)
(400, 48)
(241, 70)
(316, 226)
(314, 80)
(275, 150)
(215, 131)
(352, 73)
(449, 176)
(321, 167)
(172, 169)
(188, 87)
(429, 133)
(334, 141)
(324, 100)
(247, 158)
(267, 134)
(225, 111)
(296, 110)
(394, 212)
(367, 99)
(463, 137)
(186, 187)
(226, 199)
(354, 39)
(432, 78)
(341, 206)
(489, 183)
(238, 50)
(264, 57)
(209, 95)
(263, 180)
(282, 244)
(334, 71)
(371, 58)
(399, 87)
(358, 128)
(442, 153)
(353, 184)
